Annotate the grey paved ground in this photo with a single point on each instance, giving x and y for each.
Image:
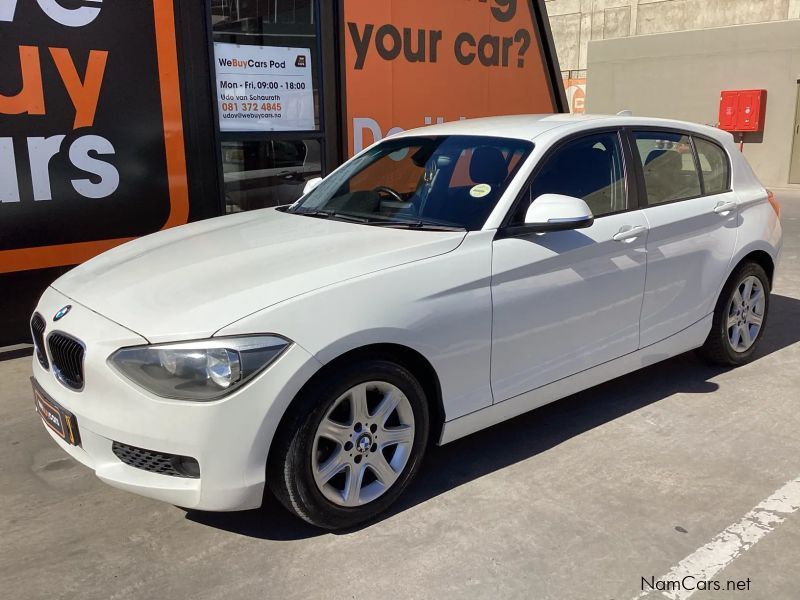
(577, 500)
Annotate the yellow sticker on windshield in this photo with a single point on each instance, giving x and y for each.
(480, 190)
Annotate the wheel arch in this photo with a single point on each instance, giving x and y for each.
(409, 358)
(762, 258)
(759, 252)
(716, 348)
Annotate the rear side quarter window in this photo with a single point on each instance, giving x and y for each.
(714, 167)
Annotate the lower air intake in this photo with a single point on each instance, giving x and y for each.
(162, 463)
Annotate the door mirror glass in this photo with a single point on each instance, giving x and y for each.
(311, 184)
(554, 212)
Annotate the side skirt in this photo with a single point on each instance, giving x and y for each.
(692, 337)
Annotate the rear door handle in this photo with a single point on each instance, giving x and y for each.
(628, 233)
(723, 208)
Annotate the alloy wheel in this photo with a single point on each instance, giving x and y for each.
(745, 314)
(363, 443)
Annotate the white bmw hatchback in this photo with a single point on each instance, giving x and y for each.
(443, 280)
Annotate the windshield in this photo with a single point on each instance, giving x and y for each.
(447, 181)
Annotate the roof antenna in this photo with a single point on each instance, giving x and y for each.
(625, 113)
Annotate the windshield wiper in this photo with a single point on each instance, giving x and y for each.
(405, 224)
(331, 214)
(417, 224)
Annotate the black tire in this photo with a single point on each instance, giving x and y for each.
(289, 468)
(717, 349)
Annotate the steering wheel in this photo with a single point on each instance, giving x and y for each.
(385, 189)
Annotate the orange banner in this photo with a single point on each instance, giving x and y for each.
(576, 94)
(411, 63)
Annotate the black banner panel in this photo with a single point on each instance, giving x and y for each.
(91, 132)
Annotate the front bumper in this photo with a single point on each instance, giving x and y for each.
(230, 438)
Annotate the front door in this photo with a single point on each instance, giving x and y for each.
(692, 215)
(569, 300)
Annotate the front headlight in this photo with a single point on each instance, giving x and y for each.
(203, 370)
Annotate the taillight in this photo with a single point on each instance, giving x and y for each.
(775, 206)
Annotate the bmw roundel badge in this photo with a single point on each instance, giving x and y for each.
(62, 312)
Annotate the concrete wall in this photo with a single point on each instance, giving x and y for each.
(680, 75)
(577, 22)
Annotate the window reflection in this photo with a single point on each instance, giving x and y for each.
(267, 173)
(269, 11)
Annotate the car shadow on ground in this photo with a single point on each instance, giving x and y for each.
(469, 458)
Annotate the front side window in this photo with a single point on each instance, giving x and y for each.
(450, 181)
(589, 168)
(670, 172)
(714, 166)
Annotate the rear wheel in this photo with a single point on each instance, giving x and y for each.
(739, 317)
(350, 445)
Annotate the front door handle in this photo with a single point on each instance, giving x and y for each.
(723, 208)
(628, 233)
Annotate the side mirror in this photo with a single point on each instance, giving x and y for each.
(311, 184)
(554, 212)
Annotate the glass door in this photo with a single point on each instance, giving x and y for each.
(267, 56)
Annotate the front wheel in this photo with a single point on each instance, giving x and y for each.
(351, 444)
(739, 317)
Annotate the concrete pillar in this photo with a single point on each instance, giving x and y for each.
(586, 32)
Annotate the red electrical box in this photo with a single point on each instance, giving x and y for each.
(742, 110)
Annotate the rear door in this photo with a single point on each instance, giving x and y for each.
(692, 214)
(566, 301)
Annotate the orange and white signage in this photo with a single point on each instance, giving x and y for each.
(411, 63)
(576, 95)
(91, 128)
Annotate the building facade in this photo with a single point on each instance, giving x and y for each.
(672, 58)
(681, 75)
(576, 23)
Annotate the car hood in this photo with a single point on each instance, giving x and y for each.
(190, 281)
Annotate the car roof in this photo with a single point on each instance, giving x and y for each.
(528, 127)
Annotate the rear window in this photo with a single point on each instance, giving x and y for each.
(670, 172)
